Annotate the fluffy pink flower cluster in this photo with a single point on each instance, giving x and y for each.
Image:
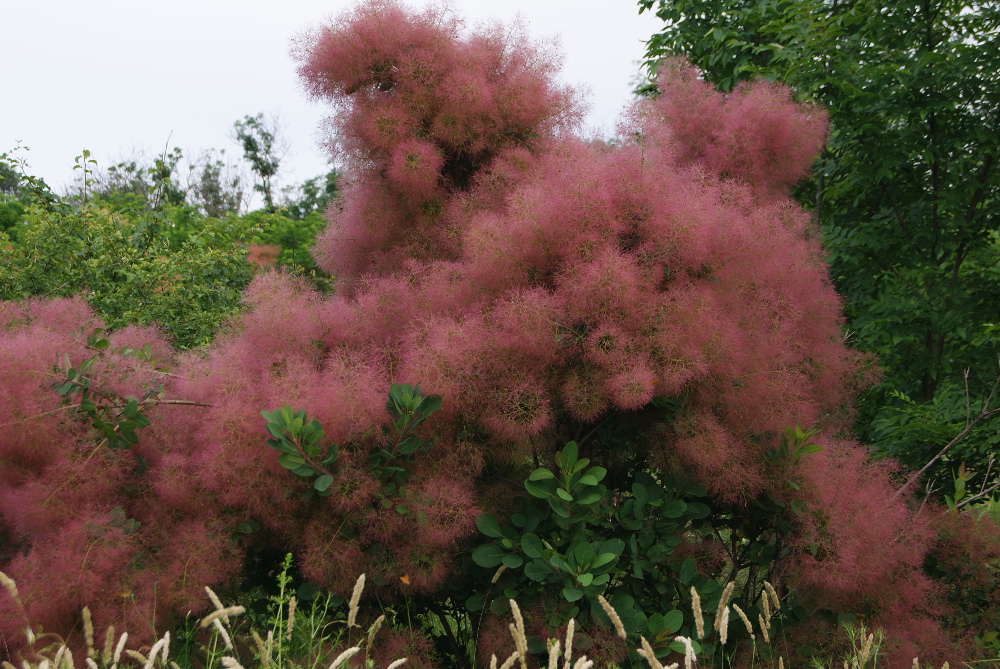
(537, 281)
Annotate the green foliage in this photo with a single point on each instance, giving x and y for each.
(906, 191)
(259, 139)
(313, 196)
(114, 417)
(300, 443)
(18, 188)
(915, 431)
(639, 545)
(140, 183)
(294, 236)
(133, 268)
(135, 247)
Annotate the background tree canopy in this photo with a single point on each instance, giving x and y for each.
(905, 193)
(145, 245)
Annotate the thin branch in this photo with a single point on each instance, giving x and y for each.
(593, 431)
(982, 493)
(983, 416)
(968, 410)
(113, 406)
(927, 495)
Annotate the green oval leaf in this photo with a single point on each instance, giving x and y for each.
(672, 621)
(537, 570)
(542, 490)
(613, 546)
(512, 561)
(323, 482)
(488, 556)
(489, 525)
(603, 559)
(532, 545)
(571, 594)
(674, 509)
(687, 571)
(291, 460)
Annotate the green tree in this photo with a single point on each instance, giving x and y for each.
(261, 144)
(214, 185)
(134, 182)
(313, 195)
(130, 268)
(906, 191)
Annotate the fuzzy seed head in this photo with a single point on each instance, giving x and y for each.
(221, 614)
(347, 654)
(109, 641)
(118, 650)
(352, 613)
(613, 615)
(723, 629)
(767, 608)
(568, 652)
(223, 633)
(372, 631)
(743, 617)
(723, 601)
(8, 584)
(774, 596)
(647, 652)
(689, 657)
(216, 602)
(291, 618)
(509, 662)
(554, 655)
(699, 620)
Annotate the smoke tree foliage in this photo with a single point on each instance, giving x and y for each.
(659, 300)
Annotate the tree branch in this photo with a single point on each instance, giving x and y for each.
(984, 415)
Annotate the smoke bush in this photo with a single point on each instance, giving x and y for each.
(546, 286)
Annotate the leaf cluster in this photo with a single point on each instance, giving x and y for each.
(115, 418)
(573, 540)
(304, 452)
(906, 190)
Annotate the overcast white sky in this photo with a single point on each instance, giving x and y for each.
(116, 75)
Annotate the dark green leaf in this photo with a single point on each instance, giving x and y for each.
(488, 556)
(542, 490)
(512, 561)
(571, 594)
(290, 460)
(536, 570)
(687, 571)
(532, 545)
(488, 525)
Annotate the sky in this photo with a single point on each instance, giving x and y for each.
(118, 77)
